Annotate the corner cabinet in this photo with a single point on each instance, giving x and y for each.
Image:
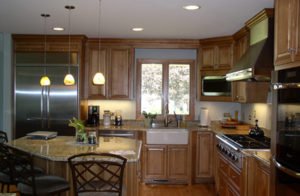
(287, 34)
(216, 53)
(241, 43)
(116, 64)
(203, 151)
(166, 164)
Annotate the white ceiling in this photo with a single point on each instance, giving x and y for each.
(163, 19)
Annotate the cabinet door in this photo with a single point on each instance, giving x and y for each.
(261, 180)
(287, 54)
(178, 162)
(155, 162)
(241, 46)
(222, 185)
(208, 57)
(95, 65)
(224, 59)
(282, 34)
(239, 92)
(204, 155)
(120, 76)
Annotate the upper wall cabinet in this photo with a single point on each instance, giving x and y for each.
(241, 43)
(287, 34)
(115, 62)
(216, 53)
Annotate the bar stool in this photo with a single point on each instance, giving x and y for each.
(6, 178)
(97, 172)
(29, 183)
(3, 137)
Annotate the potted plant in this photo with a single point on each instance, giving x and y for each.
(148, 119)
(80, 130)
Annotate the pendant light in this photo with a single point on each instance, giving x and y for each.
(69, 78)
(98, 78)
(45, 81)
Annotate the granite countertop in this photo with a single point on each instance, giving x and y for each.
(263, 156)
(62, 147)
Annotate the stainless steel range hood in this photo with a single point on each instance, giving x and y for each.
(257, 63)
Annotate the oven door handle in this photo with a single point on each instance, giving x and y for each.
(285, 169)
(226, 142)
(278, 86)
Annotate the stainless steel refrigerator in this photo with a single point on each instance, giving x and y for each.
(40, 108)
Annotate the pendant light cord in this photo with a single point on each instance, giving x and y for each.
(45, 16)
(99, 41)
(69, 24)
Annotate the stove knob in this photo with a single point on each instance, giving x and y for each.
(227, 152)
(231, 155)
(235, 158)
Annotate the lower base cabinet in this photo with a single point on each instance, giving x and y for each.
(261, 179)
(203, 159)
(166, 164)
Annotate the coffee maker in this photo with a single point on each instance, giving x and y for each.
(93, 115)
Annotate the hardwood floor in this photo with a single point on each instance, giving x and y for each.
(177, 190)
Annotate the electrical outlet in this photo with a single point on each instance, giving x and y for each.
(250, 117)
(254, 114)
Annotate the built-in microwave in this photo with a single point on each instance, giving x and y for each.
(215, 85)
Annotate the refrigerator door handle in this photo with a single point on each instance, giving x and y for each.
(285, 169)
(278, 86)
(48, 106)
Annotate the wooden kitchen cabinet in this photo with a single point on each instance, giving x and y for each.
(166, 164)
(241, 43)
(261, 179)
(203, 151)
(250, 92)
(115, 64)
(287, 34)
(216, 53)
(155, 164)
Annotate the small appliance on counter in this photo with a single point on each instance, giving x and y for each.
(256, 131)
(93, 116)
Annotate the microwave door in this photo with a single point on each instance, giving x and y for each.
(215, 86)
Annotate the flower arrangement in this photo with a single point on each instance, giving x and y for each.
(80, 129)
(148, 118)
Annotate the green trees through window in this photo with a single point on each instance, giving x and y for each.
(161, 82)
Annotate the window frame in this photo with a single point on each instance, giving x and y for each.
(165, 86)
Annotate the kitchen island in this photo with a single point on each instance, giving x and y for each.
(52, 155)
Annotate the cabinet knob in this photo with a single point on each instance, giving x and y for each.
(292, 50)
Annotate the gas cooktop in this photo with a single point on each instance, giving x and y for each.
(247, 142)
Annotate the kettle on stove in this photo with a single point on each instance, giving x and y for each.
(256, 131)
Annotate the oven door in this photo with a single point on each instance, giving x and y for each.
(287, 157)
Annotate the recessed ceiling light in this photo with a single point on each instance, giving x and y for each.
(58, 28)
(191, 7)
(137, 29)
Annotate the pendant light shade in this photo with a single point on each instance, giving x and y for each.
(98, 78)
(45, 81)
(69, 78)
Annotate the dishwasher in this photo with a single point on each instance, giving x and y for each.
(117, 133)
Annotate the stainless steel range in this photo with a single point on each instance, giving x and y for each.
(231, 146)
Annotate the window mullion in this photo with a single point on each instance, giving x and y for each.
(165, 88)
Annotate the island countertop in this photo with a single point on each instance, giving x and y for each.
(62, 147)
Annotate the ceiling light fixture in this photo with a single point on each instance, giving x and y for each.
(58, 29)
(137, 29)
(191, 7)
(69, 78)
(45, 81)
(98, 78)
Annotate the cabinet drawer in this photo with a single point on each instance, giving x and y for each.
(235, 177)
